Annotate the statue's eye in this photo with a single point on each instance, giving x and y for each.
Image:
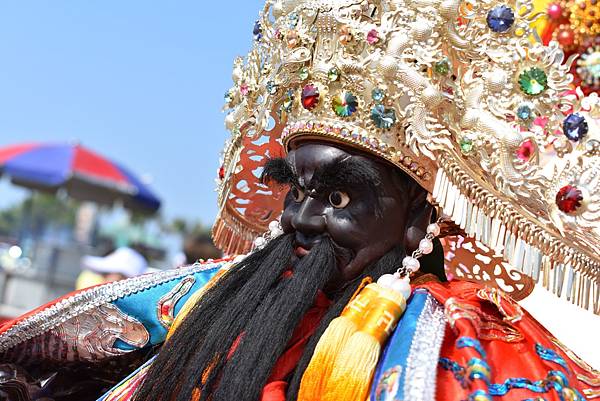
(339, 199)
(297, 194)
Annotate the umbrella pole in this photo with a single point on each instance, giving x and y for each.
(26, 218)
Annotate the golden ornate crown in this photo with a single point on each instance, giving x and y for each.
(456, 94)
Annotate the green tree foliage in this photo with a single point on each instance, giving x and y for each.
(37, 213)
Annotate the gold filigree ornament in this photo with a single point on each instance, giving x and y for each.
(453, 92)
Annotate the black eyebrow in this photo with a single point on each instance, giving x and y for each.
(351, 172)
(279, 170)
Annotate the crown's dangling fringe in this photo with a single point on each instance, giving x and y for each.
(232, 237)
(494, 224)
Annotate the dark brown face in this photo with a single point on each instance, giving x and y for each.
(361, 204)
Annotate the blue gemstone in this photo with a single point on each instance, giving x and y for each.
(257, 31)
(382, 117)
(293, 19)
(500, 18)
(575, 127)
(377, 95)
(524, 112)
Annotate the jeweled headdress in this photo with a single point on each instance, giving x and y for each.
(456, 94)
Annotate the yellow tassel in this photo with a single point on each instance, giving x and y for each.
(353, 368)
(332, 341)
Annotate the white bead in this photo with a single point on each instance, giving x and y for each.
(386, 280)
(425, 246)
(403, 287)
(411, 264)
(276, 233)
(274, 226)
(239, 258)
(434, 228)
(259, 242)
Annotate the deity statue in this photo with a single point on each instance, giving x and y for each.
(363, 133)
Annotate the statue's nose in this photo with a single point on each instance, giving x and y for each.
(309, 220)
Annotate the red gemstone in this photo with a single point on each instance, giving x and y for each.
(310, 97)
(525, 150)
(568, 199)
(554, 11)
(566, 37)
(373, 37)
(221, 172)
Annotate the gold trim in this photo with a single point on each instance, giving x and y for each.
(526, 246)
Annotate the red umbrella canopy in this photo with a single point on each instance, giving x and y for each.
(85, 175)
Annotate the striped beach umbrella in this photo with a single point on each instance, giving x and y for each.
(84, 174)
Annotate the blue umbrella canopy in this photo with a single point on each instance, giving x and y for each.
(85, 175)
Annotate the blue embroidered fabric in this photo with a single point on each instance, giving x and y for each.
(479, 369)
(407, 367)
(457, 370)
(144, 305)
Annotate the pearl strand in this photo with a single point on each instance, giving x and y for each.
(400, 280)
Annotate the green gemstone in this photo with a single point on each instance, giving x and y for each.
(303, 73)
(466, 145)
(333, 74)
(442, 67)
(533, 81)
(344, 104)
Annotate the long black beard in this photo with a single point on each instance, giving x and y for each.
(255, 306)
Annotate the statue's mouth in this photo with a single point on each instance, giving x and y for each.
(301, 251)
(343, 255)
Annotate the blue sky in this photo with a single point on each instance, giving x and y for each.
(141, 82)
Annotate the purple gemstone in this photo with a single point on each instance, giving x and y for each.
(575, 127)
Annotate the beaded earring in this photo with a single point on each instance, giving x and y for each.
(400, 280)
(275, 230)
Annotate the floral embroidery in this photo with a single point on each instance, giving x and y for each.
(388, 385)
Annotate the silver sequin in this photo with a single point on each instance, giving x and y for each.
(421, 364)
(81, 302)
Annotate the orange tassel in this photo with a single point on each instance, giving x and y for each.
(330, 344)
(353, 369)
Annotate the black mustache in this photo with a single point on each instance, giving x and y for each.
(341, 253)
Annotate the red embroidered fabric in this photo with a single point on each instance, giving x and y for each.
(276, 386)
(510, 347)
